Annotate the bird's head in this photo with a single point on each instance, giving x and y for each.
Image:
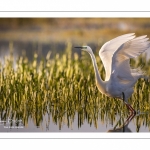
(85, 48)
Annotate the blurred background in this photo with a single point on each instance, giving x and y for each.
(44, 34)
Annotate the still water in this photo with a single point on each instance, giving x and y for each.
(47, 125)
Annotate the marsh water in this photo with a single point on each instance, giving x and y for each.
(47, 125)
(77, 113)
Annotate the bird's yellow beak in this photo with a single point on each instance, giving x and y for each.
(81, 47)
(78, 47)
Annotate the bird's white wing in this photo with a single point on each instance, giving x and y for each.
(109, 48)
(120, 60)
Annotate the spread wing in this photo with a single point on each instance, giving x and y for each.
(109, 48)
(120, 61)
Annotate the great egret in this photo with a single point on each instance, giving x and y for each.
(115, 55)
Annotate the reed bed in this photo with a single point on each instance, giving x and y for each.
(64, 88)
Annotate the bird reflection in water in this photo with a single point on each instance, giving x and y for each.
(124, 127)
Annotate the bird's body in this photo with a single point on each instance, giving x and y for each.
(115, 55)
(112, 87)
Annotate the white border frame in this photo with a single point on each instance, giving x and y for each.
(74, 9)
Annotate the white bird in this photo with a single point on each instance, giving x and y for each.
(115, 55)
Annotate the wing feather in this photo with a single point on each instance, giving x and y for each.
(109, 48)
(120, 60)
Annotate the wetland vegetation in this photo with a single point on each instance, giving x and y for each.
(60, 84)
(64, 88)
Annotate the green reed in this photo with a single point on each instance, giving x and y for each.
(63, 88)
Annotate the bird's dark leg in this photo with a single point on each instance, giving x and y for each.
(128, 105)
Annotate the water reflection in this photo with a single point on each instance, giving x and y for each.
(124, 127)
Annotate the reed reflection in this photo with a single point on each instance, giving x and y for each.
(124, 127)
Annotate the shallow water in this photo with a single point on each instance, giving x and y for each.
(47, 125)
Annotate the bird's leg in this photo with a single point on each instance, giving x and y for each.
(128, 105)
(131, 108)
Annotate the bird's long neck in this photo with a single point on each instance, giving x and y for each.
(99, 82)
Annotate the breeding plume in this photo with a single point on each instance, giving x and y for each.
(115, 55)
